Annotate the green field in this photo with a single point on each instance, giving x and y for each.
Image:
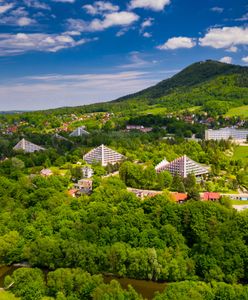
(154, 110)
(7, 296)
(241, 152)
(239, 202)
(241, 111)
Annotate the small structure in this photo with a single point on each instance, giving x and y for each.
(179, 197)
(84, 186)
(87, 172)
(182, 166)
(80, 131)
(140, 128)
(27, 146)
(144, 193)
(210, 196)
(46, 172)
(103, 155)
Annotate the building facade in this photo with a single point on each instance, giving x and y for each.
(27, 147)
(182, 166)
(80, 131)
(103, 155)
(226, 133)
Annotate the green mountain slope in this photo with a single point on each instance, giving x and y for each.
(197, 74)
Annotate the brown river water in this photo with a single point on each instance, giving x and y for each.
(146, 288)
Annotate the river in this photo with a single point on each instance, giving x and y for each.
(146, 288)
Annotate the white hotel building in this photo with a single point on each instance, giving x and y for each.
(27, 147)
(182, 166)
(238, 135)
(103, 155)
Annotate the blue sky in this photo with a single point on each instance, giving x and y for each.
(72, 52)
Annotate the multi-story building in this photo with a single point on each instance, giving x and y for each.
(182, 166)
(103, 155)
(226, 133)
(80, 131)
(27, 146)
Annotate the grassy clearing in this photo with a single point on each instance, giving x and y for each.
(239, 202)
(155, 111)
(241, 111)
(7, 296)
(241, 152)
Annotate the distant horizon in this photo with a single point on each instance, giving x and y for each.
(67, 53)
(97, 102)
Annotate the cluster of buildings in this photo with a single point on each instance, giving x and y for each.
(177, 197)
(103, 155)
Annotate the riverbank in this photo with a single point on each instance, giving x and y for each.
(144, 287)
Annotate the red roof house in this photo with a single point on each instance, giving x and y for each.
(179, 197)
(210, 196)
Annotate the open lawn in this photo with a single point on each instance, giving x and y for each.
(239, 202)
(7, 296)
(241, 111)
(154, 111)
(241, 152)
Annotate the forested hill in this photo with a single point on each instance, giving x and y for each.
(194, 75)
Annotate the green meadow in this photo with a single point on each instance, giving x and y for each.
(241, 111)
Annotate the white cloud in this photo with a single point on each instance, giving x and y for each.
(147, 23)
(122, 18)
(147, 34)
(64, 1)
(156, 5)
(5, 7)
(17, 17)
(100, 7)
(37, 4)
(226, 37)
(178, 42)
(15, 44)
(217, 9)
(232, 49)
(226, 59)
(24, 21)
(245, 59)
(136, 61)
(243, 18)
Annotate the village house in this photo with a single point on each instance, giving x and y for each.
(210, 196)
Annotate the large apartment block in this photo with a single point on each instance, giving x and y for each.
(226, 133)
(182, 166)
(103, 155)
(27, 146)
